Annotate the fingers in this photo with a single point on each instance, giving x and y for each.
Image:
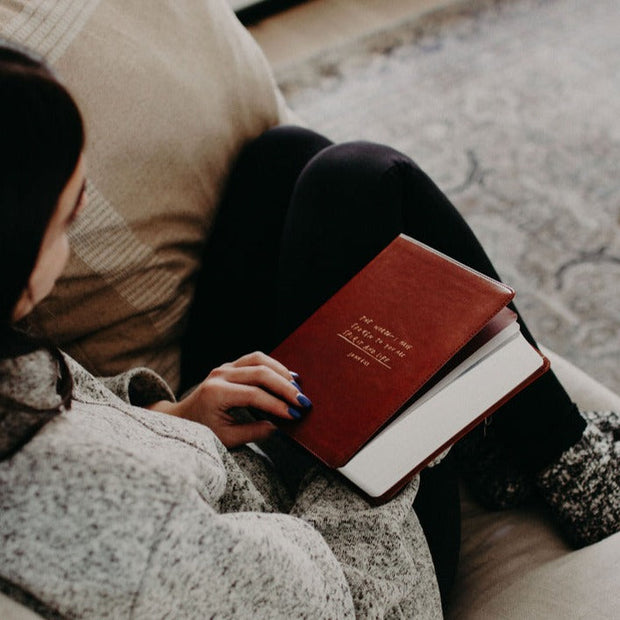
(261, 371)
(266, 378)
(256, 381)
(227, 394)
(258, 358)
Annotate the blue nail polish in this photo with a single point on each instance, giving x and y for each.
(296, 385)
(294, 413)
(295, 375)
(304, 401)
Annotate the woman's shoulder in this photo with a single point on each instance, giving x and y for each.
(87, 499)
(119, 497)
(31, 380)
(30, 399)
(97, 450)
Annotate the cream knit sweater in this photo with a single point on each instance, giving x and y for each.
(113, 511)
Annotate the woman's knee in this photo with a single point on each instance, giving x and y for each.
(283, 143)
(360, 161)
(358, 179)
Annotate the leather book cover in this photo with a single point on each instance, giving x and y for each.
(370, 348)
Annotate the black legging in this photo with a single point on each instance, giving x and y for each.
(300, 216)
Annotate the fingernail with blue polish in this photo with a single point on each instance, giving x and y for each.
(296, 385)
(294, 413)
(295, 375)
(304, 401)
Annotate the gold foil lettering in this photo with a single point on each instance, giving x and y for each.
(358, 358)
(374, 341)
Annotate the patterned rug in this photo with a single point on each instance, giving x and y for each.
(513, 107)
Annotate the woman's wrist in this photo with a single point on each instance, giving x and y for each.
(166, 406)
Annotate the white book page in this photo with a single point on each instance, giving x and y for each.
(424, 427)
(487, 348)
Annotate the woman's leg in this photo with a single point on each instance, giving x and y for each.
(438, 508)
(234, 306)
(239, 296)
(348, 204)
(338, 207)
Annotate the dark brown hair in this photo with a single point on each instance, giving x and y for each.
(42, 137)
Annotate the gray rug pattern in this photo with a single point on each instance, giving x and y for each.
(513, 108)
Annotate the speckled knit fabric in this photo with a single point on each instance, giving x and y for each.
(112, 511)
(582, 488)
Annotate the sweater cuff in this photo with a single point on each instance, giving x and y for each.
(140, 387)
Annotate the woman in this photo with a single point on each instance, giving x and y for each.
(114, 505)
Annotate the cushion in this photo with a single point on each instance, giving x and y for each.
(514, 564)
(582, 584)
(10, 610)
(170, 91)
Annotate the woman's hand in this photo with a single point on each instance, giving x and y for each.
(254, 380)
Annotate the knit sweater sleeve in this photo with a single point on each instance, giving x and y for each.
(382, 549)
(132, 505)
(139, 387)
(241, 565)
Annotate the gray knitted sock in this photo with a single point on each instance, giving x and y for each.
(582, 488)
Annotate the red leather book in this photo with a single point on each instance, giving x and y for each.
(410, 354)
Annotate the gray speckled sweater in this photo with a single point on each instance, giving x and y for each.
(113, 511)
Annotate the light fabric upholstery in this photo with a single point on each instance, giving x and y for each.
(170, 92)
(10, 610)
(581, 584)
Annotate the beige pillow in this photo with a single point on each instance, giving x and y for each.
(170, 91)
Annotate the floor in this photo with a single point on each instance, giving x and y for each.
(304, 29)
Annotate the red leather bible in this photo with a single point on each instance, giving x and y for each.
(414, 351)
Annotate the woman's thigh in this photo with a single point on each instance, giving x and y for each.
(350, 201)
(233, 311)
(298, 219)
